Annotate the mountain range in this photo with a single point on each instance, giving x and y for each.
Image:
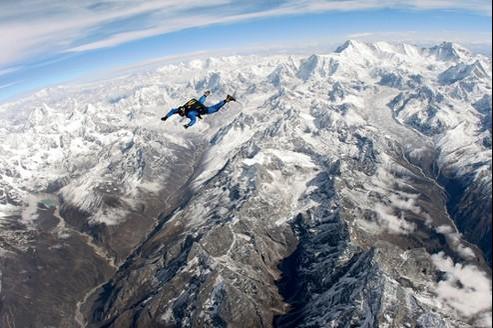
(349, 189)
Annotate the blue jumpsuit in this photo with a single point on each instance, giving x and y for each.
(192, 115)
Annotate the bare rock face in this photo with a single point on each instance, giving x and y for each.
(343, 190)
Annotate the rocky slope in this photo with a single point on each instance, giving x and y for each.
(347, 189)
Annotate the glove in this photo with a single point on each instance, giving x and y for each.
(207, 93)
(164, 118)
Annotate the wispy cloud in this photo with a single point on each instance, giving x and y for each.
(4, 86)
(9, 70)
(43, 28)
(455, 240)
(465, 288)
(359, 35)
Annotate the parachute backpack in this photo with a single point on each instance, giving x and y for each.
(193, 105)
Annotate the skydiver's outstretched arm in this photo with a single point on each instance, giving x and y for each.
(172, 112)
(202, 99)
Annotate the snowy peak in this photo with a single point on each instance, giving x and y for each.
(449, 51)
(317, 66)
(360, 51)
(461, 71)
(446, 51)
(281, 73)
(39, 115)
(356, 59)
(352, 45)
(369, 50)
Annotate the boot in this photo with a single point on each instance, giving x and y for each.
(229, 98)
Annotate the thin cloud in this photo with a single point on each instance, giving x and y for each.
(53, 28)
(359, 35)
(289, 8)
(473, 5)
(7, 85)
(388, 219)
(9, 70)
(171, 26)
(465, 288)
(42, 28)
(455, 240)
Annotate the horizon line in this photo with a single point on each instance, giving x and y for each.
(163, 61)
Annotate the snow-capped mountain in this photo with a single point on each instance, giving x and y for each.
(344, 189)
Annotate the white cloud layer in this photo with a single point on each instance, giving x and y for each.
(465, 288)
(455, 240)
(31, 28)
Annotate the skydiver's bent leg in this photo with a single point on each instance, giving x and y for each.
(193, 119)
(216, 107)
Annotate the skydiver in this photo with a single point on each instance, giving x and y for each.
(195, 108)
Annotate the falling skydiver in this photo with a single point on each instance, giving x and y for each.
(195, 108)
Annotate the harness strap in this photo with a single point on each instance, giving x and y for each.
(193, 105)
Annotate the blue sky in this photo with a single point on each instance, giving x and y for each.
(47, 42)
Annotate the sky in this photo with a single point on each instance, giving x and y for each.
(50, 42)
